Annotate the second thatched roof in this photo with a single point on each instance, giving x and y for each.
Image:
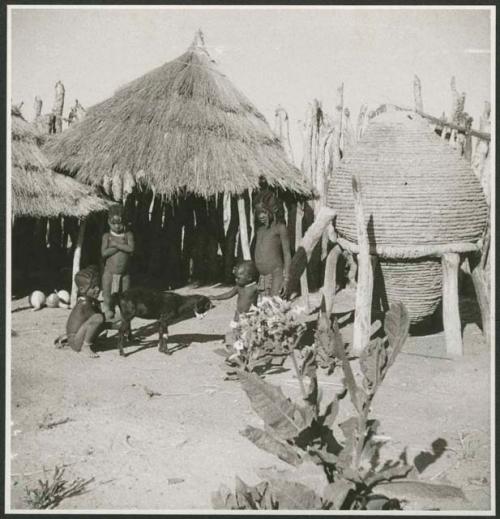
(36, 190)
(182, 127)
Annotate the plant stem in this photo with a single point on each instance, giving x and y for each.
(296, 367)
(299, 376)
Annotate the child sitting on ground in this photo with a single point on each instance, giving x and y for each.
(246, 276)
(86, 320)
(272, 249)
(116, 248)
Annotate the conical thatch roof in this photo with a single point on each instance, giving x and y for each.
(36, 190)
(181, 127)
(420, 192)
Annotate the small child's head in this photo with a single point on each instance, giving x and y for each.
(263, 214)
(116, 219)
(245, 272)
(87, 281)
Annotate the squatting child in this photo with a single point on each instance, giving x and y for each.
(116, 248)
(86, 321)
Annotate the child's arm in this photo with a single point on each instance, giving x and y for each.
(287, 256)
(226, 295)
(129, 246)
(285, 245)
(106, 250)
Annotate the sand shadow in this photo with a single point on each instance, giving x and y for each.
(176, 342)
(20, 309)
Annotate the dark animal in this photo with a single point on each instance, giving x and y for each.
(166, 307)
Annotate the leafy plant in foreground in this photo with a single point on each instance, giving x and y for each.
(341, 460)
(266, 335)
(50, 493)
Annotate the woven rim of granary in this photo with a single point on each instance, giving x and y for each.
(423, 198)
(181, 128)
(36, 190)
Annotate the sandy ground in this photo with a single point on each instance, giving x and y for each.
(170, 451)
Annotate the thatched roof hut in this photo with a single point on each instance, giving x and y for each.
(36, 190)
(181, 128)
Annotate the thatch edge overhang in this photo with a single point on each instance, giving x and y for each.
(36, 190)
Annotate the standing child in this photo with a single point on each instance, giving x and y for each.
(116, 249)
(272, 250)
(246, 276)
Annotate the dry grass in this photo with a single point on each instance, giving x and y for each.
(50, 493)
(181, 127)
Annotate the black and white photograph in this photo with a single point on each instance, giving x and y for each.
(250, 259)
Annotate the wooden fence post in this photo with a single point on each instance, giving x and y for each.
(417, 93)
(57, 109)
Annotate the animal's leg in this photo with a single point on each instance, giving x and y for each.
(124, 329)
(163, 329)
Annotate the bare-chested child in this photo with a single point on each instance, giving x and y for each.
(116, 248)
(272, 251)
(86, 321)
(246, 275)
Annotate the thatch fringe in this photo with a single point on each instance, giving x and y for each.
(36, 190)
(182, 127)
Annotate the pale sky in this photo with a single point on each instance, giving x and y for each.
(275, 57)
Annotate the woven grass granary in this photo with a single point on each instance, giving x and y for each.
(424, 201)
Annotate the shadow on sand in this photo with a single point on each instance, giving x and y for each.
(175, 342)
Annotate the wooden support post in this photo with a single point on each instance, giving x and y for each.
(364, 291)
(330, 282)
(482, 294)
(451, 315)
(245, 246)
(76, 261)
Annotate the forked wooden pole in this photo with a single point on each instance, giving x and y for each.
(76, 261)
(364, 291)
(245, 246)
(451, 315)
(304, 287)
(306, 245)
(482, 295)
(330, 283)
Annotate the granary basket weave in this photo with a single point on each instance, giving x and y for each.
(423, 199)
(416, 283)
(421, 193)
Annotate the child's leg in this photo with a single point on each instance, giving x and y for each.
(87, 334)
(277, 281)
(107, 281)
(125, 282)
